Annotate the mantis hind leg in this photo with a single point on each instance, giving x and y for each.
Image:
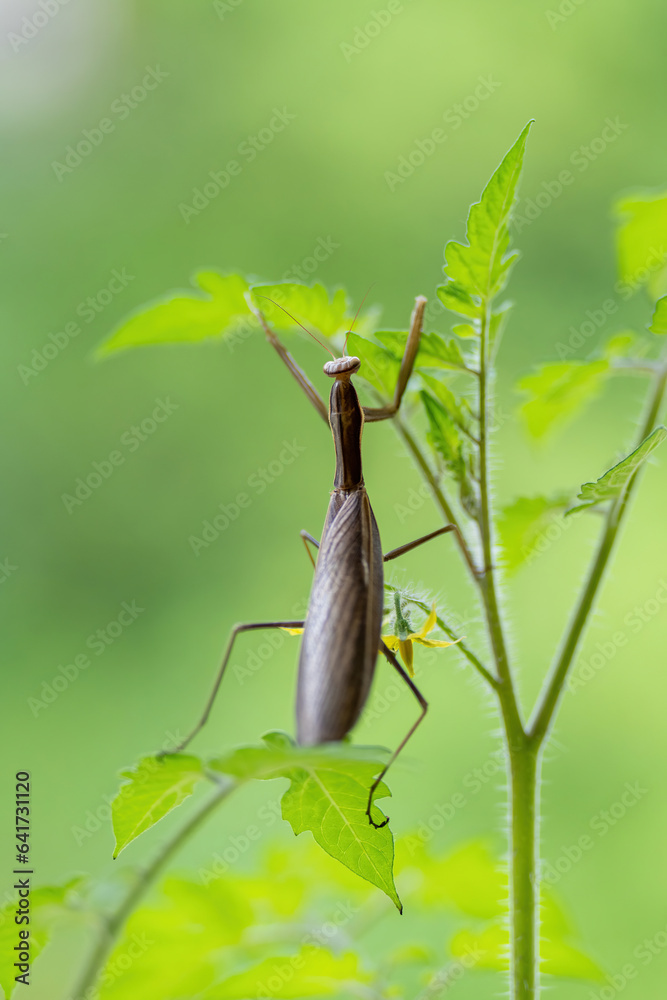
(307, 537)
(236, 631)
(424, 708)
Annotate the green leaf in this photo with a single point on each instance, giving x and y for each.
(454, 407)
(328, 795)
(522, 522)
(436, 352)
(312, 972)
(558, 390)
(455, 298)
(186, 317)
(659, 321)
(379, 367)
(640, 241)
(444, 436)
(612, 484)
(47, 905)
(310, 305)
(481, 268)
(154, 787)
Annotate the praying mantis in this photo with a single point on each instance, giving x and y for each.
(342, 629)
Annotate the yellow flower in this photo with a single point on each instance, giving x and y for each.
(404, 643)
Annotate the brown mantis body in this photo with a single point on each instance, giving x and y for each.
(341, 637)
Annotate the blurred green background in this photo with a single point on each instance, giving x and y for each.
(321, 181)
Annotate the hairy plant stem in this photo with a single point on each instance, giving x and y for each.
(525, 742)
(555, 683)
(113, 924)
(522, 759)
(524, 765)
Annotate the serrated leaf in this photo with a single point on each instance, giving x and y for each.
(521, 523)
(640, 242)
(309, 304)
(557, 391)
(454, 407)
(455, 298)
(47, 905)
(186, 317)
(379, 367)
(612, 484)
(312, 972)
(154, 787)
(328, 795)
(659, 321)
(444, 436)
(481, 267)
(436, 352)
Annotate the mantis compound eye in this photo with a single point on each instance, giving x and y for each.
(342, 366)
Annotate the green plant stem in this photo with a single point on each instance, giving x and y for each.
(487, 581)
(522, 760)
(114, 923)
(554, 687)
(524, 884)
